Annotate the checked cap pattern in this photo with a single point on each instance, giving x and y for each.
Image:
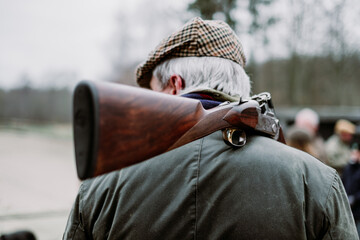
(197, 38)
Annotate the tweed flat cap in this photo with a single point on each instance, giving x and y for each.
(197, 38)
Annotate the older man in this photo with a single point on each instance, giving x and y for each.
(305, 130)
(207, 189)
(338, 145)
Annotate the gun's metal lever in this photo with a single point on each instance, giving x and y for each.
(256, 113)
(234, 137)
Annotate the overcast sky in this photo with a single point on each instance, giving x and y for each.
(42, 37)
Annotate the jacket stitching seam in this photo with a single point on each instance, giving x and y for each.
(74, 231)
(196, 184)
(334, 178)
(82, 223)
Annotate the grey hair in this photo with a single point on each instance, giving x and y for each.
(206, 73)
(308, 116)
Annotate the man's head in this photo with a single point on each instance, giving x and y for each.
(202, 54)
(345, 130)
(307, 119)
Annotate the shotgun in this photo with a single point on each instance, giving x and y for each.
(116, 126)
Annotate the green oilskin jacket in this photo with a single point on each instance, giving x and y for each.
(208, 190)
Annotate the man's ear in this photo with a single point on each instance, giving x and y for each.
(175, 84)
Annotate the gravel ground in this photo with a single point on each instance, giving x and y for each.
(38, 181)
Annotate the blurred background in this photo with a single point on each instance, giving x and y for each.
(304, 52)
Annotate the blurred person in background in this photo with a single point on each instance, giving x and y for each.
(351, 180)
(300, 138)
(207, 189)
(304, 134)
(338, 145)
(18, 235)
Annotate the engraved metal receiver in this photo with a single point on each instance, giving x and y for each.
(255, 114)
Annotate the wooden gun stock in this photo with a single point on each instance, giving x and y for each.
(116, 126)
